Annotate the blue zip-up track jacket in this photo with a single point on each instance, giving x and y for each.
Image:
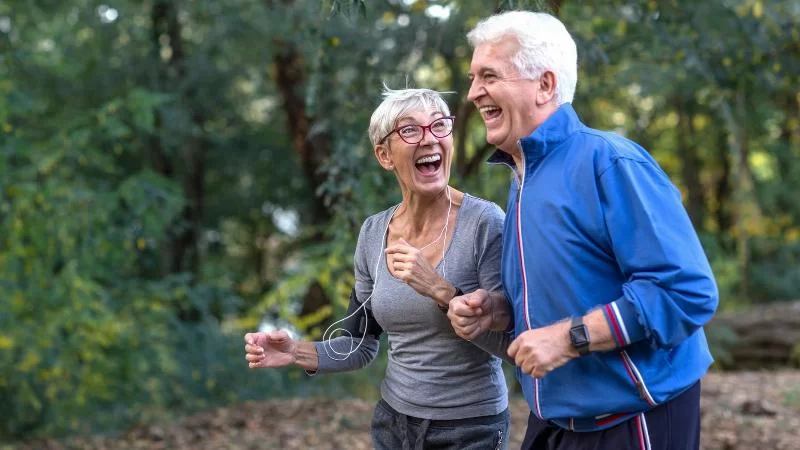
(593, 222)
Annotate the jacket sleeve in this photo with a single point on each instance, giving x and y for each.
(670, 290)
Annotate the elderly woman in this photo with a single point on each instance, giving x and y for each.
(439, 391)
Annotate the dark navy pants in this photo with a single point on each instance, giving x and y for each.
(674, 425)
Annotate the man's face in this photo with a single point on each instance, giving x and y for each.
(506, 101)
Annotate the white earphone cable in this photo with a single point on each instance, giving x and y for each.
(327, 335)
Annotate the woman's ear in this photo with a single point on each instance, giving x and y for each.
(384, 156)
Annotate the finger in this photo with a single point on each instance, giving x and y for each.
(460, 332)
(402, 265)
(254, 349)
(527, 364)
(472, 330)
(539, 372)
(250, 338)
(398, 249)
(465, 322)
(278, 336)
(513, 348)
(461, 310)
(475, 333)
(254, 357)
(474, 301)
(410, 258)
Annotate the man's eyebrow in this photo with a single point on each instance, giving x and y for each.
(482, 71)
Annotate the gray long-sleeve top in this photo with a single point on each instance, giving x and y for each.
(432, 373)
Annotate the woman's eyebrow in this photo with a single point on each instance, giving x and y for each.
(408, 120)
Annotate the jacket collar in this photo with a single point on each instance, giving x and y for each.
(544, 139)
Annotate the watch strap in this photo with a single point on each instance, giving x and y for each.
(445, 308)
(579, 335)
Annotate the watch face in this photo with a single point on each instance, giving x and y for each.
(574, 335)
(578, 335)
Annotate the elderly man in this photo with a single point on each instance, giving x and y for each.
(602, 269)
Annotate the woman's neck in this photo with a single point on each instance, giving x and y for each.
(421, 213)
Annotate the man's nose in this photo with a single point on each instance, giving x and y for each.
(475, 91)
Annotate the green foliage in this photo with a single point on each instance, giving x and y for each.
(156, 201)
(721, 339)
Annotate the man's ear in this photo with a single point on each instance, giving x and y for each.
(547, 88)
(384, 156)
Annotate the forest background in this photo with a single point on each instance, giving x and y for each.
(176, 173)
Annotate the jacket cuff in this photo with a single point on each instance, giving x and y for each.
(624, 322)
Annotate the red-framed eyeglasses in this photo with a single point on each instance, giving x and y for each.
(413, 134)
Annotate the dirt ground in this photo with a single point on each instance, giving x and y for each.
(747, 410)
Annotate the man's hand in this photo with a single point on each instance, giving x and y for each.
(273, 349)
(410, 265)
(538, 351)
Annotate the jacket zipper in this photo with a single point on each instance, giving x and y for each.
(521, 179)
(636, 377)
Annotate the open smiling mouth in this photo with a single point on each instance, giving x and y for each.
(428, 165)
(490, 112)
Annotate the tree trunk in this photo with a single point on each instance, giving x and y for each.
(182, 253)
(184, 249)
(312, 148)
(723, 189)
(691, 164)
(787, 157)
(291, 77)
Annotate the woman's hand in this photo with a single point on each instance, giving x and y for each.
(409, 264)
(273, 349)
(477, 312)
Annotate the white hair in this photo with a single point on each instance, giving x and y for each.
(544, 44)
(396, 103)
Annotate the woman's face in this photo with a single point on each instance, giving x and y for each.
(424, 167)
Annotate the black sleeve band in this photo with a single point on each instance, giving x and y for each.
(362, 322)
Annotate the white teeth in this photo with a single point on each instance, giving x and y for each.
(488, 109)
(429, 159)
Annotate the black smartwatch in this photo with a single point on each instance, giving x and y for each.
(579, 335)
(445, 308)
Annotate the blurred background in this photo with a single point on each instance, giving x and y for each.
(174, 174)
